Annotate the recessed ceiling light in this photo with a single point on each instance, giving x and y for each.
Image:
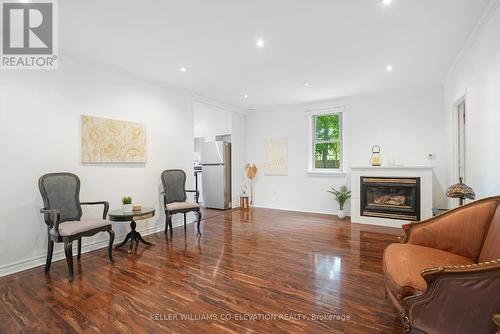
(260, 43)
(389, 68)
(183, 69)
(306, 84)
(387, 2)
(245, 96)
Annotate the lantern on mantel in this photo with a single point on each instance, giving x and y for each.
(376, 159)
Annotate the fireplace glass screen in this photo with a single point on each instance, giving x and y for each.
(396, 198)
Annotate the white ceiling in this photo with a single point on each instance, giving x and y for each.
(340, 47)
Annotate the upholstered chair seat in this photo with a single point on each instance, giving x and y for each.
(404, 263)
(182, 205)
(75, 227)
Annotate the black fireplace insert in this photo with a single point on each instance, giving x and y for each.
(391, 197)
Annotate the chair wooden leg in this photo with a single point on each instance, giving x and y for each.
(199, 222)
(50, 251)
(79, 249)
(185, 221)
(110, 247)
(166, 223)
(68, 250)
(171, 227)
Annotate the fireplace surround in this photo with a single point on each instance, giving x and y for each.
(390, 197)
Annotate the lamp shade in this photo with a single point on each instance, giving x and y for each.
(460, 190)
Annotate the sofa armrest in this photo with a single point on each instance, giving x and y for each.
(458, 299)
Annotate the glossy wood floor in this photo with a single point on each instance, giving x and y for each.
(321, 274)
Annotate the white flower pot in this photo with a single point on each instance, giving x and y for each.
(341, 214)
(128, 207)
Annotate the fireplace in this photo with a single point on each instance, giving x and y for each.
(390, 197)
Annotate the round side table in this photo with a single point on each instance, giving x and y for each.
(124, 217)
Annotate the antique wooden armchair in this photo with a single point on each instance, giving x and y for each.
(445, 275)
(63, 212)
(174, 198)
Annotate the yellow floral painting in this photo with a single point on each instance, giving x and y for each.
(112, 141)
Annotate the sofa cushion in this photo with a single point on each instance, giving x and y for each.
(75, 227)
(491, 246)
(182, 206)
(403, 264)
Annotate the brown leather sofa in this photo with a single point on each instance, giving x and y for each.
(445, 275)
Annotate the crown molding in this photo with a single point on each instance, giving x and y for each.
(218, 104)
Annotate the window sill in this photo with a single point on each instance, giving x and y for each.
(329, 172)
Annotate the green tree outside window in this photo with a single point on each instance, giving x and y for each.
(327, 141)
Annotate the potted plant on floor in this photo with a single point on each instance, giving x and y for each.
(341, 196)
(127, 204)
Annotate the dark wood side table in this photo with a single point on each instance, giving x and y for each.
(134, 236)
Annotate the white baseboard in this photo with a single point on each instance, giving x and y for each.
(86, 247)
(379, 221)
(301, 209)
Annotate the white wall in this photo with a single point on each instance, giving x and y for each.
(476, 75)
(406, 124)
(238, 155)
(40, 133)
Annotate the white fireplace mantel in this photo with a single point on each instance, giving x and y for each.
(390, 167)
(423, 172)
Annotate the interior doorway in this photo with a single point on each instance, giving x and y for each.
(460, 140)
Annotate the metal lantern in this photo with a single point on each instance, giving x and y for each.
(376, 159)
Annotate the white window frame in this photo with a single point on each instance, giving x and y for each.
(312, 140)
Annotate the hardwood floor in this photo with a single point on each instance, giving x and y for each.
(250, 267)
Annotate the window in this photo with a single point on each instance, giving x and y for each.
(326, 141)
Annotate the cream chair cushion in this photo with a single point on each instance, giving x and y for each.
(175, 206)
(74, 227)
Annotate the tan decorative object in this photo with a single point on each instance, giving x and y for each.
(251, 170)
(112, 141)
(276, 162)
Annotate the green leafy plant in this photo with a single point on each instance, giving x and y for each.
(341, 195)
(126, 200)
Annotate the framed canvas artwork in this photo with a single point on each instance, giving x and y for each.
(112, 141)
(276, 160)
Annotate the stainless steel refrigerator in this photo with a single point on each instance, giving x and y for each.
(216, 175)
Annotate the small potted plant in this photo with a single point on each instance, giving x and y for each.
(127, 204)
(341, 196)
